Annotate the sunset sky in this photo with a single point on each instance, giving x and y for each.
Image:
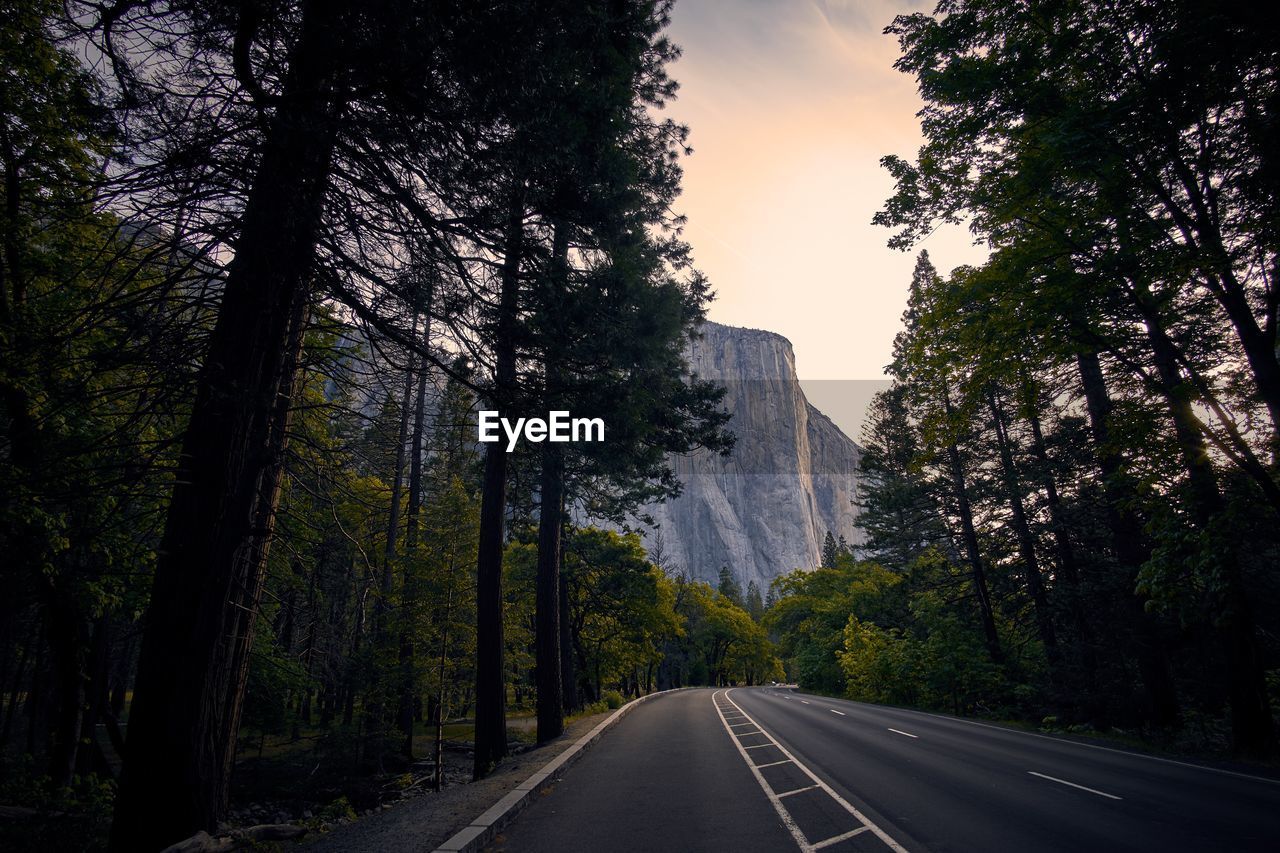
(791, 105)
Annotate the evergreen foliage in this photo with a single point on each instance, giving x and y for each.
(1068, 482)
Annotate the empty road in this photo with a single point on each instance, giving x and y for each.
(771, 769)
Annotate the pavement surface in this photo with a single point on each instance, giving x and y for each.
(766, 769)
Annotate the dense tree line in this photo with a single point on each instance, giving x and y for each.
(1070, 490)
(261, 265)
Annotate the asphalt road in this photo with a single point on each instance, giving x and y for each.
(772, 770)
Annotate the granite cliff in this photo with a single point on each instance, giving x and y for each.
(766, 508)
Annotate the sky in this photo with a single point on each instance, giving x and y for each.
(791, 105)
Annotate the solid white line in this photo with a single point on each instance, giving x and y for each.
(1090, 746)
(740, 725)
(501, 812)
(759, 745)
(787, 820)
(1074, 785)
(774, 763)
(834, 711)
(836, 839)
(900, 732)
(795, 791)
(845, 804)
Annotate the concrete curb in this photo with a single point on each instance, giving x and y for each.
(482, 830)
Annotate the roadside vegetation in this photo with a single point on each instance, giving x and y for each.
(260, 265)
(1070, 493)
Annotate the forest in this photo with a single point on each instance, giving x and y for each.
(262, 262)
(1070, 492)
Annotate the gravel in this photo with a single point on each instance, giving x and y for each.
(424, 822)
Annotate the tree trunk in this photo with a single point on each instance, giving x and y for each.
(491, 712)
(67, 639)
(36, 699)
(983, 595)
(381, 694)
(1260, 350)
(95, 703)
(244, 608)
(409, 597)
(15, 686)
(1127, 542)
(1252, 729)
(188, 695)
(1067, 564)
(1084, 671)
(547, 630)
(550, 690)
(568, 676)
(1026, 542)
(438, 719)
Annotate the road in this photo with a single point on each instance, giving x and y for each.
(767, 769)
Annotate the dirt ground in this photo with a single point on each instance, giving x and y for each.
(423, 822)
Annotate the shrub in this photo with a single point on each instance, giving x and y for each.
(338, 809)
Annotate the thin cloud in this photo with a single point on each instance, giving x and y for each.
(791, 105)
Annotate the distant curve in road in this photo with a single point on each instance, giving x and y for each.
(768, 769)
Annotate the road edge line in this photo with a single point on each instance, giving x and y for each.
(481, 831)
(1067, 739)
(876, 830)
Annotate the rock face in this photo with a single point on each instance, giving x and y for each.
(765, 509)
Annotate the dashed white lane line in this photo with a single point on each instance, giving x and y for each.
(834, 711)
(804, 844)
(1074, 785)
(805, 701)
(901, 732)
(1123, 752)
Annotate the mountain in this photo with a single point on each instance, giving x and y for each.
(765, 509)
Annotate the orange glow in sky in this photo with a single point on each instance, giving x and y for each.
(791, 104)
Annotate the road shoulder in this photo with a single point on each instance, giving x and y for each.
(426, 822)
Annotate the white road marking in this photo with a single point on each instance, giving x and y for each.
(795, 791)
(836, 839)
(805, 701)
(1097, 746)
(1074, 785)
(901, 732)
(788, 821)
(834, 711)
(740, 725)
(774, 763)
